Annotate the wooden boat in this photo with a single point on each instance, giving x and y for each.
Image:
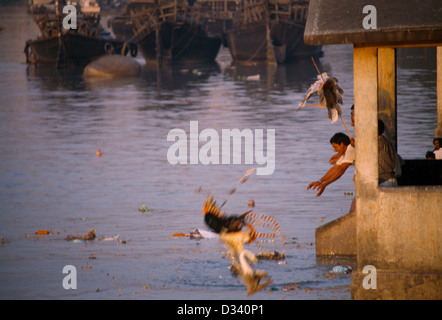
(288, 18)
(218, 16)
(172, 32)
(122, 25)
(249, 39)
(59, 47)
(270, 31)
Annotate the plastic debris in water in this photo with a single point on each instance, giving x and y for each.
(143, 208)
(341, 269)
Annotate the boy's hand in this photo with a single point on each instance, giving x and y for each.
(314, 184)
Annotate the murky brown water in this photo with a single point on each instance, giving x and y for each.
(53, 123)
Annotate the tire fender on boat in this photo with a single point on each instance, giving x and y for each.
(108, 48)
(133, 50)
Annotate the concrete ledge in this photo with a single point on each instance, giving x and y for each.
(397, 286)
(338, 237)
(398, 22)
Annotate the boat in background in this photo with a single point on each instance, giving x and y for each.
(173, 32)
(61, 47)
(288, 19)
(218, 16)
(122, 25)
(270, 31)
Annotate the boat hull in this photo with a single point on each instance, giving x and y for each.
(179, 44)
(77, 50)
(249, 43)
(292, 36)
(122, 27)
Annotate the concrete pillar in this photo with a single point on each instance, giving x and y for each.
(387, 104)
(365, 73)
(438, 131)
(397, 229)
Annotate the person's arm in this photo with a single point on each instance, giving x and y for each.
(340, 169)
(334, 159)
(329, 173)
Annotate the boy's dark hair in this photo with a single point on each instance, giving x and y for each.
(430, 155)
(339, 138)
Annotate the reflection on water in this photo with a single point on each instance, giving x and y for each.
(53, 122)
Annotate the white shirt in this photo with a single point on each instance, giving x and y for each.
(348, 156)
(438, 153)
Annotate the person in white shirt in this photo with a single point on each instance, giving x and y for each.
(341, 144)
(437, 149)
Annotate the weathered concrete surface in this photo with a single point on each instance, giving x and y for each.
(397, 286)
(399, 230)
(365, 76)
(409, 230)
(405, 245)
(338, 237)
(398, 22)
(387, 109)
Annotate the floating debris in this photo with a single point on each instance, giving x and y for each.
(143, 208)
(271, 255)
(253, 78)
(90, 236)
(180, 234)
(42, 232)
(117, 238)
(341, 270)
(202, 234)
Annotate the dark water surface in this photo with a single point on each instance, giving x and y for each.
(52, 123)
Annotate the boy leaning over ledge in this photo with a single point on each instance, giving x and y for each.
(341, 145)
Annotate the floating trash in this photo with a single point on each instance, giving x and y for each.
(143, 208)
(90, 236)
(42, 232)
(341, 269)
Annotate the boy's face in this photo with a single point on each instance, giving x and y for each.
(339, 148)
(436, 144)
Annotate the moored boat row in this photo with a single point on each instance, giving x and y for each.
(175, 31)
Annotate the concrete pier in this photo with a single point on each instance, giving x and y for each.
(338, 237)
(398, 229)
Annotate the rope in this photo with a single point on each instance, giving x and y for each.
(256, 52)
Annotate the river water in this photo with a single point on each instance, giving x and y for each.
(52, 124)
